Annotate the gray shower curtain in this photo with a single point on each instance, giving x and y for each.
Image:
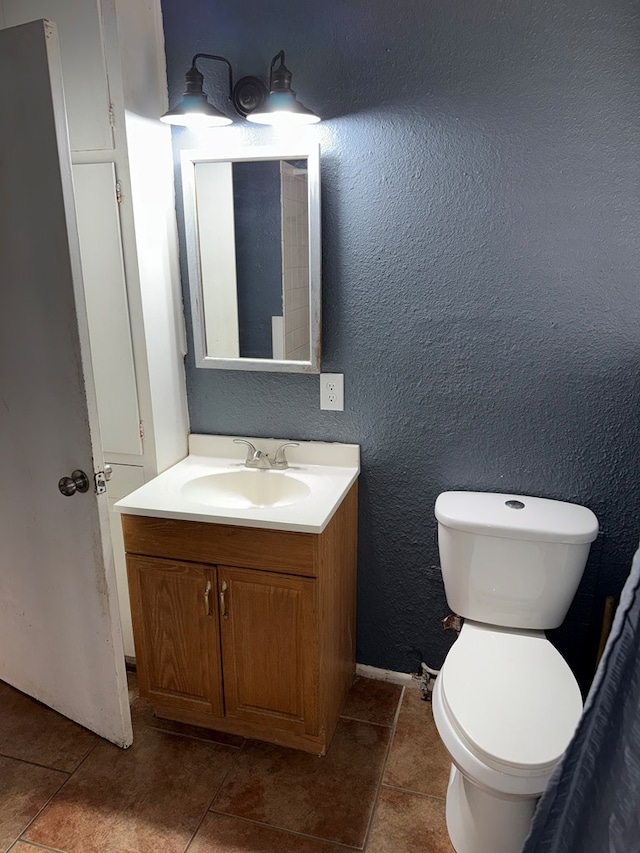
(592, 802)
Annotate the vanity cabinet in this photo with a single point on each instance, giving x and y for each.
(246, 630)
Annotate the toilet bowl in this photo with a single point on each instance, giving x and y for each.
(506, 705)
(505, 702)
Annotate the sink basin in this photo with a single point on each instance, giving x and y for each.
(212, 484)
(246, 488)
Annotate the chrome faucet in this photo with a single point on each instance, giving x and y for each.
(257, 459)
(280, 460)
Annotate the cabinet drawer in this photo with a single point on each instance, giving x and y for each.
(277, 550)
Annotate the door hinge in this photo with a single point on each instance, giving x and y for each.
(112, 116)
(141, 431)
(118, 192)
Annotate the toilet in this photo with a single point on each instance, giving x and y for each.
(505, 702)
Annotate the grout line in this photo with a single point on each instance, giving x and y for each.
(35, 764)
(39, 812)
(35, 845)
(208, 809)
(414, 793)
(384, 768)
(142, 722)
(192, 737)
(367, 722)
(55, 794)
(286, 831)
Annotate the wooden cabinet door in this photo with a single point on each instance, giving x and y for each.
(269, 648)
(175, 627)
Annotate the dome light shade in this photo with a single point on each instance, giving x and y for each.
(281, 106)
(194, 110)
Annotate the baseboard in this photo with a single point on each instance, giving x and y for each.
(373, 672)
(362, 670)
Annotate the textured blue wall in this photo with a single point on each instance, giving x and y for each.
(481, 193)
(258, 240)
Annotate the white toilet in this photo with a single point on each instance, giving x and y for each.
(505, 702)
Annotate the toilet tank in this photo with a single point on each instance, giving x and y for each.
(512, 560)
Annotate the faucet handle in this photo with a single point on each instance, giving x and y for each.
(253, 455)
(280, 460)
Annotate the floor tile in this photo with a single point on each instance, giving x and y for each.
(408, 823)
(146, 799)
(24, 790)
(372, 701)
(23, 847)
(417, 760)
(32, 732)
(223, 834)
(329, 798)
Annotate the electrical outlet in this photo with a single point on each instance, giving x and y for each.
(332, 391)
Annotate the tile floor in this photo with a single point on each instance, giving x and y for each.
(380, 788)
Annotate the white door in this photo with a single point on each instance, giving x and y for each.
(84, 64)
(60, 638)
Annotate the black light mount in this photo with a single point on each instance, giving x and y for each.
(248, 94)
(194, 78)
(195, 110)
(280, 77)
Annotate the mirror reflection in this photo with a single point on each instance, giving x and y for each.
(253, 251)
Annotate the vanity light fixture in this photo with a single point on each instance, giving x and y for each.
(281, 105)
(194, 110)
(249, 96)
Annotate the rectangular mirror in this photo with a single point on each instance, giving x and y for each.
(252, 222)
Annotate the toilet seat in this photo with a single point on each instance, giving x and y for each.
(478, 770)
(510, 697)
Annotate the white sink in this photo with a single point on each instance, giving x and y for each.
(247, 488)
(213, 485)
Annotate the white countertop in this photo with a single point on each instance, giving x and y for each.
(327, 471)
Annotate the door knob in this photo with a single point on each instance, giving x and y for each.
(77, 482)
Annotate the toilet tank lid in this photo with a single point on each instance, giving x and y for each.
(516, 517)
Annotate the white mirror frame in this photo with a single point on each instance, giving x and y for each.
(191, 157)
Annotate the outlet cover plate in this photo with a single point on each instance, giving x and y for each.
(332, 391)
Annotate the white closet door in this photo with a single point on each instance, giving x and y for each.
(60, 635)
(83, 64)
(124, 480)
(107, 307)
